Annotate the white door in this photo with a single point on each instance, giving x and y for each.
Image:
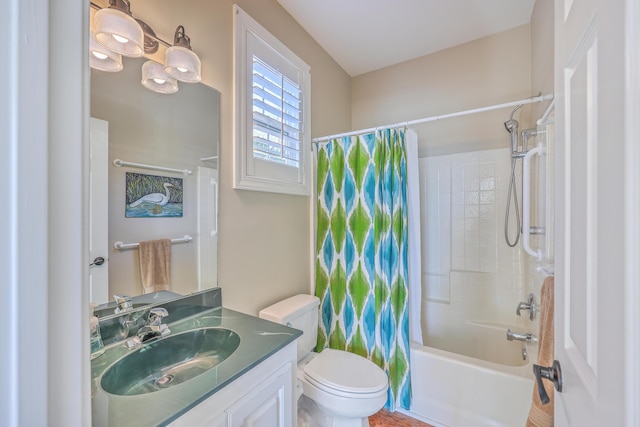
(592, 322)
(98, 212)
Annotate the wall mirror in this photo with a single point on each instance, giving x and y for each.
(179, 131)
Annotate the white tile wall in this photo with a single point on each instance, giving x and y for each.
(435, 184)
(468, 271)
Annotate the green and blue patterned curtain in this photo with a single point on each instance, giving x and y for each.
(361, 266)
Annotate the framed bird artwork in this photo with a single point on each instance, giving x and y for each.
(151, 196)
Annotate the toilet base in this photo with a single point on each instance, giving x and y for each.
(311, 415)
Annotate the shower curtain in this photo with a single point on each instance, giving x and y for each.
(361, 265)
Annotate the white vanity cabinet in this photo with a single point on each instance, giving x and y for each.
(268, 405)
(262, 397)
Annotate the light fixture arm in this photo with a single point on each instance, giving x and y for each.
(181, 39)
(121, 5)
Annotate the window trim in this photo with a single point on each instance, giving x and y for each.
(245, 176)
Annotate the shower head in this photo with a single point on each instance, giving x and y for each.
(512, 124)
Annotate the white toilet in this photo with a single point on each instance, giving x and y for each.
(346, 388)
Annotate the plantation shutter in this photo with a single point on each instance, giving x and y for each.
(277, 115)
(272, 139)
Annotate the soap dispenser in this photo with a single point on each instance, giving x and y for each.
(97, 346)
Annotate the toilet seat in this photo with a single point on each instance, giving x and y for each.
(345, 374)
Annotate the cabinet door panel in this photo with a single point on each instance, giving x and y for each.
(269, 405)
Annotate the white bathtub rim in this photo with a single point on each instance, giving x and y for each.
(497, 326)
(524, 371)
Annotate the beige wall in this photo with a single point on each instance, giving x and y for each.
(541, 53)
(264, 250)
(491, 70)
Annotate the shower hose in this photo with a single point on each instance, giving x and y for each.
(512, 191)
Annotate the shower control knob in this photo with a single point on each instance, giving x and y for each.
(529, 305)
(551, 373)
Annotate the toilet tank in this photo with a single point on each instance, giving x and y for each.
(299, 312)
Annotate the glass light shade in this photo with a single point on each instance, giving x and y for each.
(119, 32)
(182, 64)
(154, 78)
(102, 58)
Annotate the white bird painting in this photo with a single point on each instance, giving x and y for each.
(143, 200)
(155, 198)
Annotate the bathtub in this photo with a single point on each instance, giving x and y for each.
(456, 390)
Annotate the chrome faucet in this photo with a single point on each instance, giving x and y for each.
(521, 336)
(153, 328)
(529, 305)
(129, 320)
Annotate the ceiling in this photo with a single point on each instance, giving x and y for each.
(366, 35)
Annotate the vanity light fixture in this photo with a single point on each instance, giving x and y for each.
(180, 62)
(116, 29)
(102, 58)
(156, 79)
(116, 32)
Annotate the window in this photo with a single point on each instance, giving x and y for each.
(272, 127)
(277, 116)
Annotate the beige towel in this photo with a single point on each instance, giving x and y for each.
(155, 265)
(542, 415)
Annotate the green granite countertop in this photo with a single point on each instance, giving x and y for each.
(259, 339)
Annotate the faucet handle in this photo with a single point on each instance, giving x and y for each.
(159, 311)
(155, 321)
(529, 305)
(156, 315)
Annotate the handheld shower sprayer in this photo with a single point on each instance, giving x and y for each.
(511, 126)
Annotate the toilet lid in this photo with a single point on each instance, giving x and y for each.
(345, 372)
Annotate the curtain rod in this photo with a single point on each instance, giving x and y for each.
(544, 120)
(538, 98)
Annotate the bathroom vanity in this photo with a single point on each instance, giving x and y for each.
(254, 382)
(262, 396)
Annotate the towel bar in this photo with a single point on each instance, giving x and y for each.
(120, 245)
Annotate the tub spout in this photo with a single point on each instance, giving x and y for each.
(521, 336)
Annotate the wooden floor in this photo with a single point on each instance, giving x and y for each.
(395, 419)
